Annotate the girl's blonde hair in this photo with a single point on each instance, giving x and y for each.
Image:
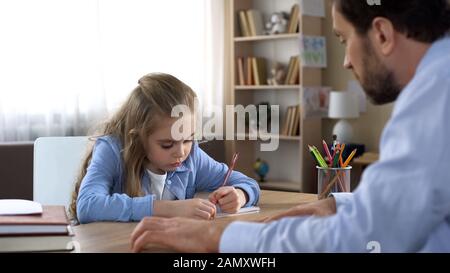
(138, 117)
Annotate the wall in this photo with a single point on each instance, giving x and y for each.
(16, 170)
(368, 127)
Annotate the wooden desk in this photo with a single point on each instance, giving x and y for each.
(115, 237)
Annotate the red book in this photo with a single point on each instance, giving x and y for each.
(48, 231)
(53, 220)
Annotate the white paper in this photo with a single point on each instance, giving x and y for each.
(354, 87)
(313, 7)
(19, 207)
(246, 210)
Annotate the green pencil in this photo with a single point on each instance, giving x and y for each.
(336, 159)
(314, 156)
(323, 163)
(319, 157)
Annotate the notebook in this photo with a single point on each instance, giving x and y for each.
(246, 210)
(35, 243)
(52, 220)
(48, 231)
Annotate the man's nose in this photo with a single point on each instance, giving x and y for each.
(347, 64)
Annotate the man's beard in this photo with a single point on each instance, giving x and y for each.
(378, 82)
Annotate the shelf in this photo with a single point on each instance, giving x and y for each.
(280, 186)
(267, 37)
(291, 163)
(266, 87)
(274, 136)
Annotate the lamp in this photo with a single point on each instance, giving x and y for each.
(343, 105)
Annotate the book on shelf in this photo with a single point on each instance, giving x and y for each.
(293, 19)
(249, 68)
(289, 69)
(259, 71)
(291, 123)
(48, 231)
(243, 23)
(293, 71)
(295, 75)
(255, 70)
(255, 22)
(292, 120)
(240, 71)
(262, 71)
(285, 128)
(296, 127)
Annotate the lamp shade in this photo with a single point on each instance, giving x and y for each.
(343, 104)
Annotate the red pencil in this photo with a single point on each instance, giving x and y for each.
(230, 168)
(327, 152)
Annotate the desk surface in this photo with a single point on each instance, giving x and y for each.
(115, 237)
(366, 158)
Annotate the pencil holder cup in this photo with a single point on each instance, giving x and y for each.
(331, 180)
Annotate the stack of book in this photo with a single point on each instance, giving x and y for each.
(293, 23)
(251, 71)
(291, 124)
(251, 22)
(46, 231)
(293, 71)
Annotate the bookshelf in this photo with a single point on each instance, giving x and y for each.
(291, 165)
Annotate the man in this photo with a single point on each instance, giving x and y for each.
(396, 49)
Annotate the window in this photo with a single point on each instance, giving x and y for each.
(67, 64)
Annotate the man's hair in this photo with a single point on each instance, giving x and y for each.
(421, 20)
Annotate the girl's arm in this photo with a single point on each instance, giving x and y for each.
(96, 200)
(210, 175)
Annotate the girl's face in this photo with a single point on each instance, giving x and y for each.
(166, 152)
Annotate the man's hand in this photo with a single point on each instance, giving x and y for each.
(192, 208)
(229, 198)
(179, 234)
(322, 207)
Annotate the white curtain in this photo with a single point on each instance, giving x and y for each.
(67, 64)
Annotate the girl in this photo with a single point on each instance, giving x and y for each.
(137, 169)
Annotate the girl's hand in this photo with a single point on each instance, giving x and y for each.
(229, 198)
(191, 208)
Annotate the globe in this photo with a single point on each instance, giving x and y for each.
(261, 168)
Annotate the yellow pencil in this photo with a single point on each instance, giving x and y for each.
(349, 158)
(340, 155)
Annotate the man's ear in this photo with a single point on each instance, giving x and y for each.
(383, 35)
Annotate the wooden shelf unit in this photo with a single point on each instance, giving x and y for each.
(291, 167)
